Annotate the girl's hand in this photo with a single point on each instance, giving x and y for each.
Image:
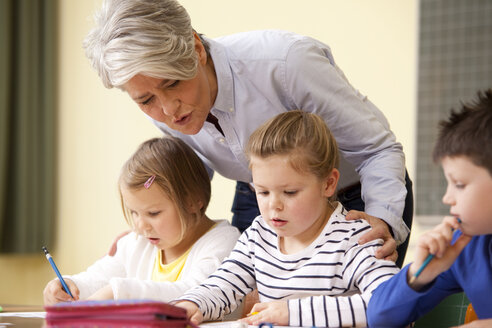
(54, 293)
(437, 242)
(105, 293)
(192, 311)
(276, 312)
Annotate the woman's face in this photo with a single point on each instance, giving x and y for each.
(183, 105)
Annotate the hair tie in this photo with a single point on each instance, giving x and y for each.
(149, 181)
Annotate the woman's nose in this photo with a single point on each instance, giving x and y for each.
(169, 106)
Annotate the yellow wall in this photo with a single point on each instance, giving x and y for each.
(374, 42)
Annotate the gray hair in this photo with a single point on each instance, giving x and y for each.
(150, 37)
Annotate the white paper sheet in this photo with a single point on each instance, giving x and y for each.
(23, 314)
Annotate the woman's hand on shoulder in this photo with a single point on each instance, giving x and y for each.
(113, 248)
(380, 230)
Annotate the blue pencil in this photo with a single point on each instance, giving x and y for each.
(426, 262)
(53, 265)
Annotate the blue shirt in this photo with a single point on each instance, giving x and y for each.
(395, 304)
(263, 73)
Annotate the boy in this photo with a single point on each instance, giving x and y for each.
(463, 258)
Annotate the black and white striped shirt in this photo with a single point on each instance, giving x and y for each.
(328, 284)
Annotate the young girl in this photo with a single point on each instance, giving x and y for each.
(301, 253)
(165, 190)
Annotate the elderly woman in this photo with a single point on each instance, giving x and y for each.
(213, 93)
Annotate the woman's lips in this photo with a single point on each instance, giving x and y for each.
(183, 120)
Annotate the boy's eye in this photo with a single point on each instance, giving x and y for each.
(263, 193)
(290, 192)
(459, 185)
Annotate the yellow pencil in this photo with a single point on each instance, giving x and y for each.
(252, 313)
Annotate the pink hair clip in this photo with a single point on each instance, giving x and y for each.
(148, 183)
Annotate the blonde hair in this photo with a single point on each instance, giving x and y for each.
(149, 37)
(303, 136)
(178, 171)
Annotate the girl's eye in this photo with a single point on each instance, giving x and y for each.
(147, 101)
(152, 214)
(290, 192)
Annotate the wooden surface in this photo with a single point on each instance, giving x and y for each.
(21, 308)
(6, 321)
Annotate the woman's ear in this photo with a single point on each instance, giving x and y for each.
(331, 182)
(200, 49)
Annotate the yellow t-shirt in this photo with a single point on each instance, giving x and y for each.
(168, 272)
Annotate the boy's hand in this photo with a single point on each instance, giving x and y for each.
(478, 324)
(380, 230)
(105, 293)
(276, 312)
(54, 293)
(437, 242)
(192, 311)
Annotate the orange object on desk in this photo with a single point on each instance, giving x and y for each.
(470, 314)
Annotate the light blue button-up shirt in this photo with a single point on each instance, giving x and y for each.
(263, 73)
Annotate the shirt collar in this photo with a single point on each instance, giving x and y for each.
(225, 84)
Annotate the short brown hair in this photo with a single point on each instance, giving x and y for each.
(468, 133)
(178, 171)
(304, 136)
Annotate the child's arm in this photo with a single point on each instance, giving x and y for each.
(354, 282)
(204, 258)
(105, 293)
(99, 274)
(396, 303)
(485, 323)
(222, 292)
(192, 311)
(85, 284)
(437, 242)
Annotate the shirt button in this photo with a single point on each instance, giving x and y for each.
(221, 140)
(231, 109)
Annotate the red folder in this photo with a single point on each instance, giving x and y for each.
(116, 313)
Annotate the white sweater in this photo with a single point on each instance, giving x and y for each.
(129, 272)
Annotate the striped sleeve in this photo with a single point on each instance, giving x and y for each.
(223, 290)
(361, 273)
